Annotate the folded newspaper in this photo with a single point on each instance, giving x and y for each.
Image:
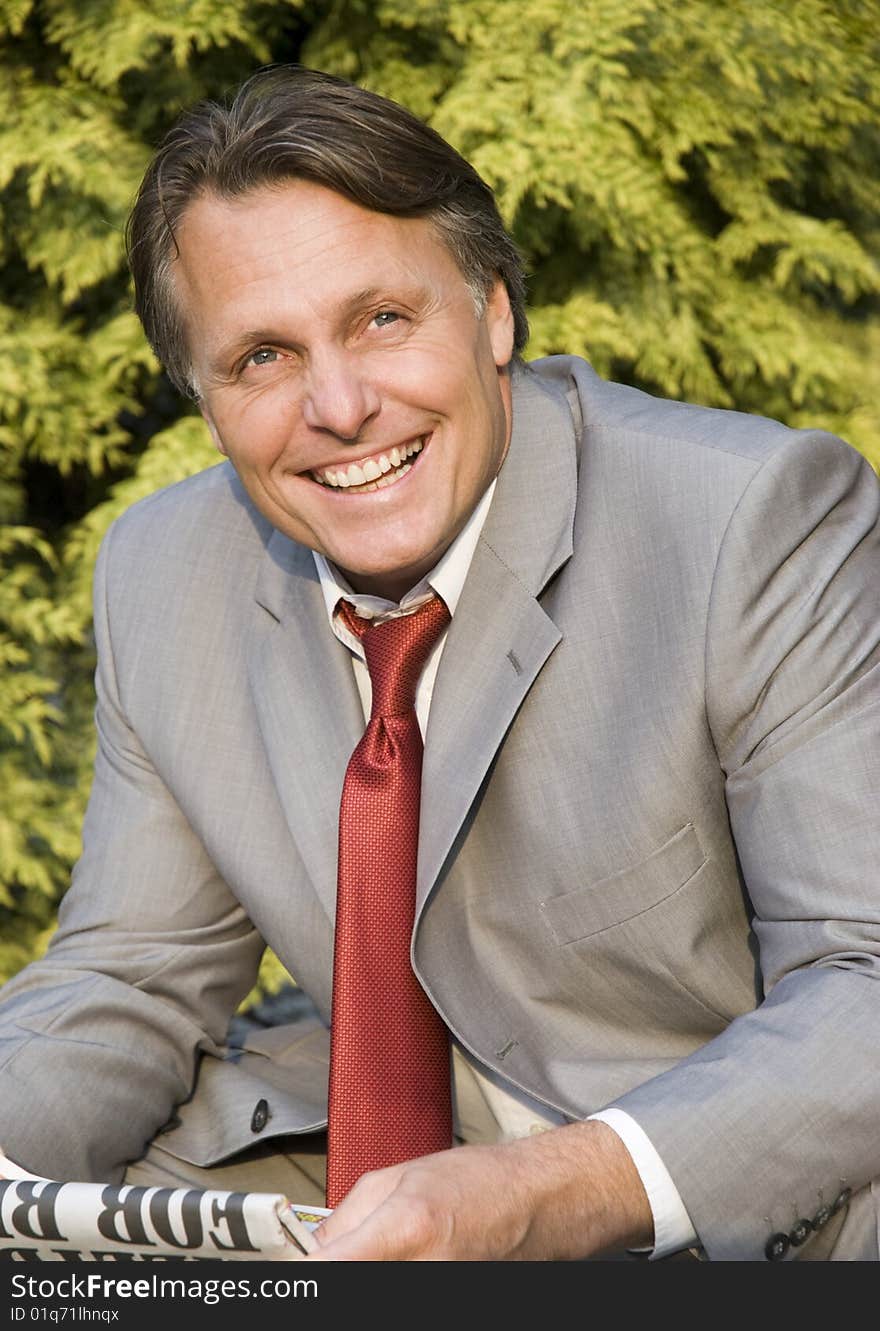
(46, 1220)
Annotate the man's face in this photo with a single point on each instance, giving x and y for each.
(344, 371)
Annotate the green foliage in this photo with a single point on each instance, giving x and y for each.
(695, 187)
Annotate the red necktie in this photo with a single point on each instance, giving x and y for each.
(389, 1098)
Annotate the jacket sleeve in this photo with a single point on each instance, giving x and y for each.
(99, 1040)
(778, 1115)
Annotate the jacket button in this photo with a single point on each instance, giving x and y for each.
(821, 1218)
(777, 1246)
(841, 1200)
(800, 1232)
(260, 1116)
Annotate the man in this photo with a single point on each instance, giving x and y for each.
(646, 907)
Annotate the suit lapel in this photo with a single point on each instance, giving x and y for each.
(500, 637)
(307, 703)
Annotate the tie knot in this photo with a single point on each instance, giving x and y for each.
(396, 651)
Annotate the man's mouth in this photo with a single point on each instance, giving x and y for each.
(373, 473)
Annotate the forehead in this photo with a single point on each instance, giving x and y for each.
(301, 244)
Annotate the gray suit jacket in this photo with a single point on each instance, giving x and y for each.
(648, 865)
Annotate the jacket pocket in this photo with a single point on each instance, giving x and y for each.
(628, 893)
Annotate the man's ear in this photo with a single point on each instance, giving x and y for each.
(215, 433)
(499, 321)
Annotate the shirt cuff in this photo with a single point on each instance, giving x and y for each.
(673, 1228)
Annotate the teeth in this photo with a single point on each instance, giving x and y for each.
(373, 473)
(383, 481)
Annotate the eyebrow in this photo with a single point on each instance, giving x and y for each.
(364, 297)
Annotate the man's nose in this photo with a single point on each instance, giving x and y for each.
(340, 397)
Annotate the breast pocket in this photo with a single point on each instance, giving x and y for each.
(628, 893)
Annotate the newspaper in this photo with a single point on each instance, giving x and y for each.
(46, 1220)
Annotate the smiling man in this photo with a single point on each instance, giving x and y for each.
(342, 369)
(531, 720)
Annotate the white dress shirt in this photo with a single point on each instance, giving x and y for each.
(516, 1114)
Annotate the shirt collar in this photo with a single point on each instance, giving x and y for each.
(447, 577)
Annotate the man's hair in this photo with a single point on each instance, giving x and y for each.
(291, 123)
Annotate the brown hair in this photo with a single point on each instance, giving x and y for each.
(288, 122)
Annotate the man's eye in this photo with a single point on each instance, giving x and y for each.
(385, 317)
(265, 356)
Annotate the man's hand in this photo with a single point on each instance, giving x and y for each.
(566, 1194)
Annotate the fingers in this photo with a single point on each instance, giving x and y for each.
(367, 1243)
(353, 1222)
(381, 1220)
(374, 1239)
